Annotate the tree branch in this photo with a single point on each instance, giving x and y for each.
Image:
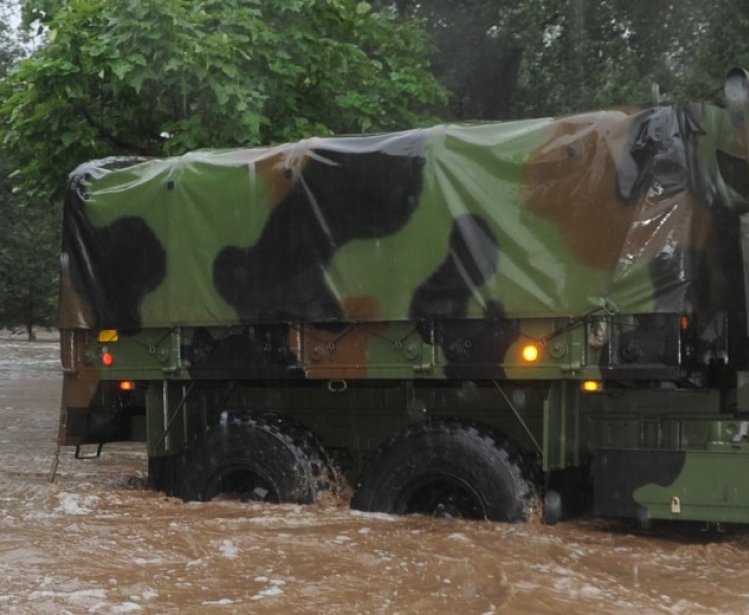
(107, 135)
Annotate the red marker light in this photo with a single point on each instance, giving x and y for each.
(107, 359)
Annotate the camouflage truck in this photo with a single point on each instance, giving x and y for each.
(465, 320)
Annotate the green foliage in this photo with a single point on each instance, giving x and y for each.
(28, 231)
(478, 51)
(723, 45)
(611, 52)
(29, 244)
(159, 77)
(506, 59)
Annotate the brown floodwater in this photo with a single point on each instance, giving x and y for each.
(95, 540)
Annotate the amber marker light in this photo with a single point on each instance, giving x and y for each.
(127, 385)
(107, 359)
(684, 323)
(107, 336)
(530, 353)
(592, 386)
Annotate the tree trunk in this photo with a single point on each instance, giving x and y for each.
(30, 314)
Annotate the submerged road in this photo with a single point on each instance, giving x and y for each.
(95, 540)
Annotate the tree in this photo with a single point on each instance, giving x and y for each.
(479, 47)
(612, 52)
(159, 77)
(28, 233)
(505, 59)
(29, 245)
(723, 45)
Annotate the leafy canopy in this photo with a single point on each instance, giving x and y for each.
(159, 77)
(28, 231)
(505, 59)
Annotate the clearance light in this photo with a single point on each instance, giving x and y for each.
(127, 385)
(107, 359)
(592, 386)
(107, 336)
(530, 353)
(684, 323)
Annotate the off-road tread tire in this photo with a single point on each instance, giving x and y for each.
(327, 474)
(283, 452)
(502, 481)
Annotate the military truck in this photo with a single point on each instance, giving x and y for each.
(474, 320)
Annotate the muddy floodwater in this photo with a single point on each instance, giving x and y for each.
(95, 540)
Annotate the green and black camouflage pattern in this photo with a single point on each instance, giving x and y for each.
(528, 219)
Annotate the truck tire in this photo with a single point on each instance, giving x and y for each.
(256, 458)
(446, 469)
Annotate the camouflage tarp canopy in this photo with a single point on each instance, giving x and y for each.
(521, 219)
